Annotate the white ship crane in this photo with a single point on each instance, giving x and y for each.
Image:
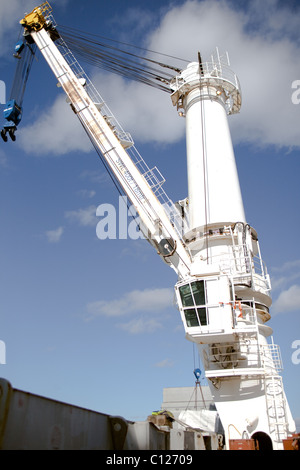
(223, 290)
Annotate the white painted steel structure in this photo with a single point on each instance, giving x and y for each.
(225, 309)
(210, 157)
(223, 289)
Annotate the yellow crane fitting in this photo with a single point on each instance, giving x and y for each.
(37, 18)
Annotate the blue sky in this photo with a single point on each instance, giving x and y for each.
(91, 322)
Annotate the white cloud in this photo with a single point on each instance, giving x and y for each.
(87, 193)
(264, 60)
(164, 363)
(85, 217)
(288, 300)
(284, 283)
(54, 236)
(141, 325)
(147, 113)
(288, 266)
(263, 44)
(285, 275)
(56, 132)
(152, 301)
(262, 54)
(148, 300)
(276, 18)
(95, 176)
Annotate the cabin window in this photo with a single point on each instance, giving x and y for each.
(193, 298)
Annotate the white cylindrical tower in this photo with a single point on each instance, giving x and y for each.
(206, 93)
(225, 302)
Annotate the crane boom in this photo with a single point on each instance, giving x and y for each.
(154, 221)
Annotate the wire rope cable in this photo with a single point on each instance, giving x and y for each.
(121, 58)
(22, 72)
(204, 155)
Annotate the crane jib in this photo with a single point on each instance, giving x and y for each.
(100, 130)
(128, 177)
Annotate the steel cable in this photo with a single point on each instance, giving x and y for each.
(97, 51)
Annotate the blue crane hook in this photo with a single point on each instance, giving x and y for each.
(197, 374)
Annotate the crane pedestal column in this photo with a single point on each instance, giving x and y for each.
(225, 303)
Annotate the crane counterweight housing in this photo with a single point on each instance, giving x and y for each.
(223, 290)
